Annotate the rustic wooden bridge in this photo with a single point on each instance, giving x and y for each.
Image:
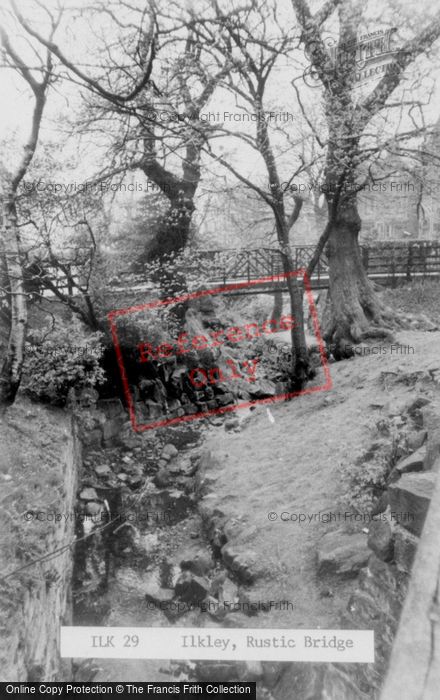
(386, 263)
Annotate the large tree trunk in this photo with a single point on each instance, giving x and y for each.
(173, 232)
(171, 240)
(12, 364)
(301, 367)
(277, 305)
(355, 311)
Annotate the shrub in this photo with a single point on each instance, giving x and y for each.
(365, 480)
(59, 359)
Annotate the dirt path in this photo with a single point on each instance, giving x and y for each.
(290, 464)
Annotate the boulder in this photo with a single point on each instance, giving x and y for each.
(176, 468)
(111, 407)
(243, 562)
(133, 469)
(232, 424)
(92, 508)
(162, 478)
(272, 672)
(155, 593)
(225, 399)
(173, 503)
(128, 438)
(204, 484)
(253, 671)
(103, 470)
(412, 463)
(136, 480)
(149, 543)
(410, 498)
(380, 572)
(337, 683)
(154, 409)
(197, 561)
(112, 428)
(221, 388)
(381, 504)
(380, 539)
(191, 589)
(146, 388)
(343, 554)
(228, 593)
(190, 409)
(181, 435)
(433, 442)
(92, 438)
(169, 452)
(141, 411)
(262, 389)
(416, 404)
(220, 671)
(405, 548)
(159, 392)
(89, 494)
(88, 396)
(215, 609)
(416, 438)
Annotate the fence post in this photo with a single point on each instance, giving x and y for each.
(365, 257)
(393, 271)
(409, 262)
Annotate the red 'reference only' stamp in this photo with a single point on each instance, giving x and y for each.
(209, 386)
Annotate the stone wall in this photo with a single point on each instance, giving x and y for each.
(414, 669)
(35, 601)
(382, 565)
(383, 585)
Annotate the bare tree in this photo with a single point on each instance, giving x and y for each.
(11, 370)
(151, 108)
(356, 311)
(253, 42)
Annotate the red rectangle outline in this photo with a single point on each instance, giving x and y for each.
(206, 292)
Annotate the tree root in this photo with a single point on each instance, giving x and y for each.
(342, 334)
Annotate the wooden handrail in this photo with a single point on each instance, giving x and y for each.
(381, 260)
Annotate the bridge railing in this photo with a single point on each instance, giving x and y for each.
(384, 261)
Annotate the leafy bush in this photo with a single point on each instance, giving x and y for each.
(362, 484)
(365, 480)
(60, 358)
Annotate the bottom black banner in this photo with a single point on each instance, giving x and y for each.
(178, 691)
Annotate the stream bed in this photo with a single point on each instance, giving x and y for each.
(142, 558)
